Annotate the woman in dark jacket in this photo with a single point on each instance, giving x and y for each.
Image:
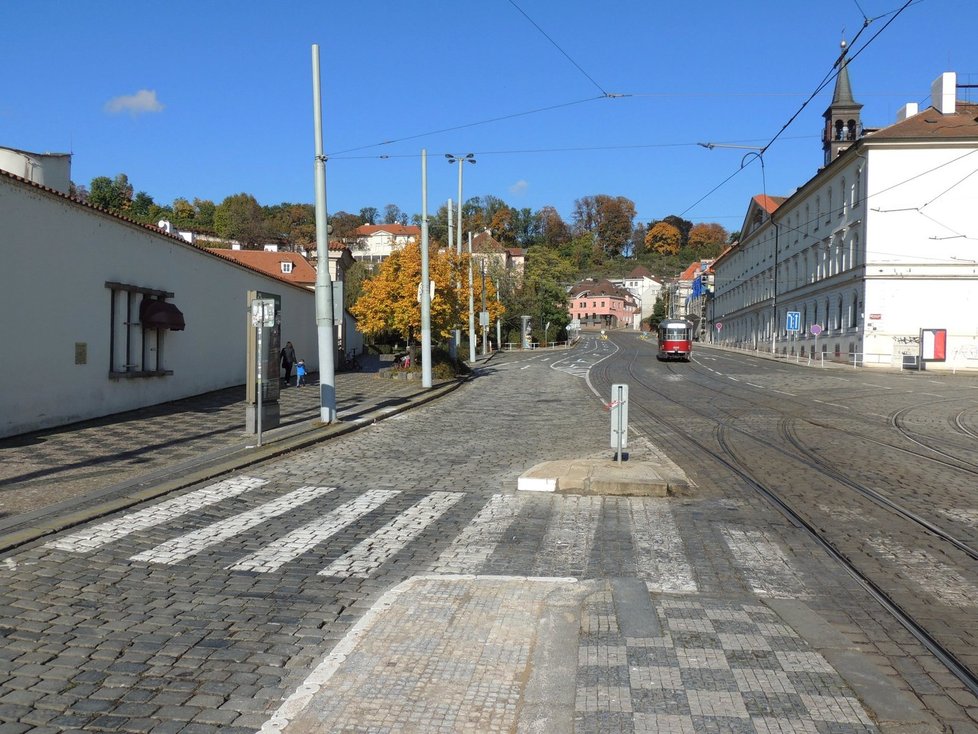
(288, 359)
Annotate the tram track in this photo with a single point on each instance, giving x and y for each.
(894, 421)
(725, 454)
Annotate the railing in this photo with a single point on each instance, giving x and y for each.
(516, 347)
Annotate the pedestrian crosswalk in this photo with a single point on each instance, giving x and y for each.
(355, 534)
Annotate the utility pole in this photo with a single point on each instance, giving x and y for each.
(471, 307)
(425, 289)
(457, 333)
(485, 326)
(326, 333)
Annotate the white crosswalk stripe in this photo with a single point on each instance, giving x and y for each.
(563, 546)
(476, 543)
(178, 549)
(659, 552)
(567, 544)
(765, 566)
(291, 546)
(368, 555)
(95, 537)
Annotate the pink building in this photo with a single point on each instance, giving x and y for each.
(600, 303)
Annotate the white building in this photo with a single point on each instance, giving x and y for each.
(102, 314)
(375, 242)
(872, 260)
(644, 288)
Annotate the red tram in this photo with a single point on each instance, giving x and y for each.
(675, 339)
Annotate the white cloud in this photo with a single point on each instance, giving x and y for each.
(519, 187)
(135, 104)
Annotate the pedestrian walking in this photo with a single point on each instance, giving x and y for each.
(300, 373)
(288, 359)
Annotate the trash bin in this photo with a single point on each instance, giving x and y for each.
(912, 362)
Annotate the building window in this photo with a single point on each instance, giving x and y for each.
(842, 207)
(139, 319)
(286, 267)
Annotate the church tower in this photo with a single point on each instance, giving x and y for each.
(842, 124)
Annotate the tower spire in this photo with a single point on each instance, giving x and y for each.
(842, 123)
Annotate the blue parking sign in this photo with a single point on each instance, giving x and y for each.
(793, 321)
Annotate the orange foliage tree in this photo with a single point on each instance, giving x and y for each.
(389, 300)
(711, 237)
(663, 238)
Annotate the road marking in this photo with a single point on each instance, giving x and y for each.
(372, 552)
(765, 566)
(107, 532)
(293, 545)
(782, 392)
(477, 542)
(659, 552)
(178, 549)
(935, 576)
(762, 387)
(570, 536)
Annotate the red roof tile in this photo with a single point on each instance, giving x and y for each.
(270, 263)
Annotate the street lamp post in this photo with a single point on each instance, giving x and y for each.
(758, 152)
(461, 160)
(325, 330)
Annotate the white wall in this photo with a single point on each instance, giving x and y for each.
(57, 257)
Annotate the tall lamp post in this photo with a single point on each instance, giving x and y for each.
(325, 330)
(758, 152)
(461, 160)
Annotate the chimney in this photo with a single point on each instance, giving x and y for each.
(908, 110)
(942, 93)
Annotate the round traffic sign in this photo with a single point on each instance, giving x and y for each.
(816, 329)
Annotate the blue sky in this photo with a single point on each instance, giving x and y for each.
(211, 98)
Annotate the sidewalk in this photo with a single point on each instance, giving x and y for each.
(56, 478)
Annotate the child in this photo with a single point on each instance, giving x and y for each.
(300, 373)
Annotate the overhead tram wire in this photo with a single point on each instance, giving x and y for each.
(837, 68)
(604, 95)
(604, 92)
(468, 125)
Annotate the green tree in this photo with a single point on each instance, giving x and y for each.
(141, 207)
(112, 194)
(394, 215)
(368, 215)
(204, 216)
(240, 217)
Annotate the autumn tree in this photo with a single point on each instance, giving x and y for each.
(553, 231)
(344, 225)
(608, 218)
(389, 300)
(663, 238)
(707, 239)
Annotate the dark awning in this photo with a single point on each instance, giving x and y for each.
(155, 314)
